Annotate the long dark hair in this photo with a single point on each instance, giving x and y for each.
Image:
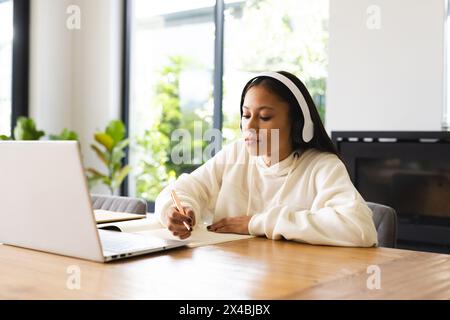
(320, 141)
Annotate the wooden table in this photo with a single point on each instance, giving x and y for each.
(247, 269)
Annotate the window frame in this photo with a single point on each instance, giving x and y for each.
(20, 61)
(125, 105)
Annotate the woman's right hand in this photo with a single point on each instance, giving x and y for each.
(175, 222)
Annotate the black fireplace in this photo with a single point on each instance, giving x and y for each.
(408, 171)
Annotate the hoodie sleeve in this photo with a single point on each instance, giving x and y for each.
(339, 216)
(196, 190)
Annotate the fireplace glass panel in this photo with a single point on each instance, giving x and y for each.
(411, 187)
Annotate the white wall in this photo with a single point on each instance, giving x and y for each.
(96, 73)
(390, 78)
(75, 75)
(50, 65)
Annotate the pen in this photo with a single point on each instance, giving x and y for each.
(177, 203)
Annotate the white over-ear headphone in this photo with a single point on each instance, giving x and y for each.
(308, 127)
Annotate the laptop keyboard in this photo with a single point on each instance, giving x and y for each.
(119, 242)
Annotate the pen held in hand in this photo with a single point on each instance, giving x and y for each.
(177, 203)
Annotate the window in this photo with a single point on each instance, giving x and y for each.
(273, 35)
(6, 40)
(172, 59)
(172, 71)
(14, 64)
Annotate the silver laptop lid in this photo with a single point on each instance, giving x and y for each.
(44, 199)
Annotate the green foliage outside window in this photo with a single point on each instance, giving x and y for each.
(156, 168)
(291, 35)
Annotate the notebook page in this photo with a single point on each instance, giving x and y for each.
(199, 237)
(147, 224)
(106, 216)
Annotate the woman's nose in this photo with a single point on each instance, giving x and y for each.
(251, 123)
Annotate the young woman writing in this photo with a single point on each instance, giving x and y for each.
(296, 187)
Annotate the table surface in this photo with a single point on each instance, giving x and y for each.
(246, 269)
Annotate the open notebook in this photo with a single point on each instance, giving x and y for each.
(105, 216)
(151, 226)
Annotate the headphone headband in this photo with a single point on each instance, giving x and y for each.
(308, 127)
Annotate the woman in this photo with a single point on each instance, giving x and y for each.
(295, 187)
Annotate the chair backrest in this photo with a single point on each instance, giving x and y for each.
(385, 219)
(119, 204)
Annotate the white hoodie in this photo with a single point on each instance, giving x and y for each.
(309, 198)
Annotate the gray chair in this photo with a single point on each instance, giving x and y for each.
(119, 204)
(385, 219)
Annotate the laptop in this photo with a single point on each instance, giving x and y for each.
(45, 205)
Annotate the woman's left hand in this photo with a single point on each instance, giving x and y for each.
(231, 225)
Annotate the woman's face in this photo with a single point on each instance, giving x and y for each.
(266, 124)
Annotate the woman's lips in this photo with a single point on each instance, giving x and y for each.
(251, 141)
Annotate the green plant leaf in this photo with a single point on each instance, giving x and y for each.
(121, 174)
(25, 129)
(116, 167)
(66, 134)
(116, 130)
(3, 137)
(102, 155)
(107, 181)
(95, 174)
(113, 139)
(117, 156)
(105, 140)
(94, 177)
(93, 181)
(122, 144)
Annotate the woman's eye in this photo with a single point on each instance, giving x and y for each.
(246, 116)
